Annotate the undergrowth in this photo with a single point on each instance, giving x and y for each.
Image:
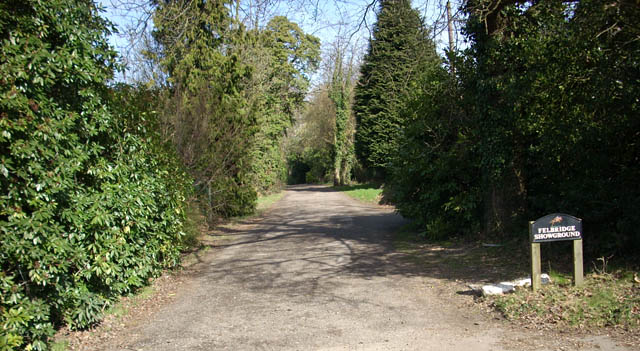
(605, 300)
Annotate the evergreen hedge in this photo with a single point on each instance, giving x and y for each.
(91, 205)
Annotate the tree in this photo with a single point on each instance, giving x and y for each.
(282, 58)
(309, 144)
(205, 111)
(433, 177)
(398, 50)
(230, 95)
(340, 94)
(554, 97)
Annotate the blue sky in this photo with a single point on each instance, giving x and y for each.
(326, 19)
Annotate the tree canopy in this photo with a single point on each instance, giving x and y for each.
(398, 51)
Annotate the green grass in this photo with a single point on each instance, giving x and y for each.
(60, 345)
(264, 202)
(369, 193)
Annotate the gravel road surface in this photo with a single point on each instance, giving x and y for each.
(318, 272)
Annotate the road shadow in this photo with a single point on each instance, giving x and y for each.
(300, 248)
(323, 188)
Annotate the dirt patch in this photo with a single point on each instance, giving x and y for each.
(126, 314)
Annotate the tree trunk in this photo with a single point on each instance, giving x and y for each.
(505, 204)
(337, 180)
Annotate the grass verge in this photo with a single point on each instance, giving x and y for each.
(605, 300)
(264, 202)
(369, 193)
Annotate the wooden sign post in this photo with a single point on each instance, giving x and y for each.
(578, 274)
(555, 227)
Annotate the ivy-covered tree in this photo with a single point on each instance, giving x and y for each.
(321, 145)
(397, 52)
(340, 93)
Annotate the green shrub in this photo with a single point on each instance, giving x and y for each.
(433, 178)
(556, 108)
(89, 208)
(233, 197)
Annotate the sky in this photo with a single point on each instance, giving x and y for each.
(326, 19)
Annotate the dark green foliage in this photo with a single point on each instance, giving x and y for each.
(294, 56)
(311, 166)
(541, 117)
(91, 206)
(282, 57)
(557, 90)
(206, 113)
(400, 47)
(546, 121)
(298, 168)
(320, 165)
(434, 176)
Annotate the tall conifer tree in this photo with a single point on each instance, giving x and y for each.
(400, 47)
